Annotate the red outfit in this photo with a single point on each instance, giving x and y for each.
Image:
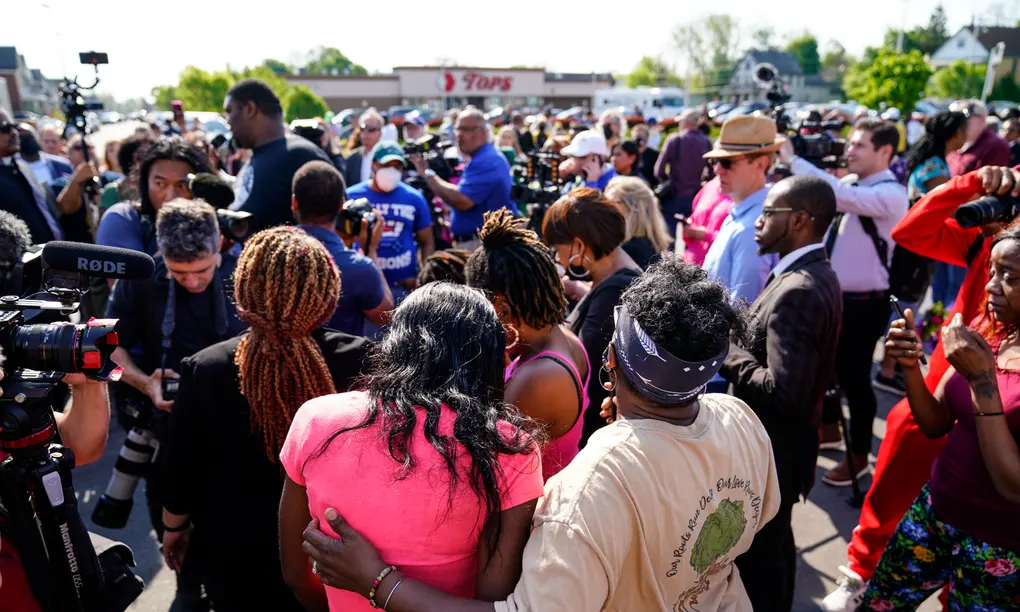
(906, 455)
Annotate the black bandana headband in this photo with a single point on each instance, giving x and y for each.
(655, 372)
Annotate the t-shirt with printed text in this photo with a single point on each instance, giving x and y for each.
(406, 212)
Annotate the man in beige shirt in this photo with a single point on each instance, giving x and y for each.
(653, 511)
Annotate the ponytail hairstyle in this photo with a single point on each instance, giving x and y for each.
(938, 130)
(286, 286)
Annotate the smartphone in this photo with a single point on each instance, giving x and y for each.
(682, 219)
(93, 58)
(899, 311)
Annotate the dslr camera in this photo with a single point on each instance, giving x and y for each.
(988, 209)
(353, 214)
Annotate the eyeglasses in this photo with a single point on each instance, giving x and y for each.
(370, 128)
(768, 212)
(466, 128)
(725, 162)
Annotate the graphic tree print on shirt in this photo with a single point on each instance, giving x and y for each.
(719, 534)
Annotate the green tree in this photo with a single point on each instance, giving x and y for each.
(958, 80)
(277, 66)
(278, 84)
(805, 49)
(935, 34)
(836, 62)
(764, 38)
(201, 90)
(896, 80)
(302, 103)
(327, 60)
(1006, 89)
(163, 95)
(653, 72)
(712, 46)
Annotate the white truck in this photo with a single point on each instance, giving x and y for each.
(659, 102)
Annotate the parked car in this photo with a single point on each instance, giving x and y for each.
(23, 115)
(108, 117)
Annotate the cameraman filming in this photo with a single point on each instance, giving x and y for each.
(870, 202)
(484, 186)
(82, 426)
(184, 308)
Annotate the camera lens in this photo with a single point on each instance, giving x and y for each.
(63, 348)
(983, 210)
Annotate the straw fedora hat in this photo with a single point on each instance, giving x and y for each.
(746, 135)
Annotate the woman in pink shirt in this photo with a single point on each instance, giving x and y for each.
(547, 377)
(431, 432)
(710, 209)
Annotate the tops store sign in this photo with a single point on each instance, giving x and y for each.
(474, 81)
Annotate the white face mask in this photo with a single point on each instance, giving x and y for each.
(387, 178)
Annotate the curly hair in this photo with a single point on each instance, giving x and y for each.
(187, 230)
(684, 311)
(173, 148)
(445, 265)
(514, 262)
(286, 286)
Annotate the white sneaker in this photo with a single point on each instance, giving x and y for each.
(848, 595)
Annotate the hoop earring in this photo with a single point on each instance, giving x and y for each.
(517, 336)
(608, 385)
(572, 266)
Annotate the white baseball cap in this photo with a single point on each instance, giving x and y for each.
(586, 143)
(893, 114)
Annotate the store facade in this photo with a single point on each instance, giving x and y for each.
(442, 87)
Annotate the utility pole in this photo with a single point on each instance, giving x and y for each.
(903, 26)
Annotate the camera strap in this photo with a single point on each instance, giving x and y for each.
(170, 314)
(869, 227)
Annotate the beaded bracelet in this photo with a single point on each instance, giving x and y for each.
(375, 585)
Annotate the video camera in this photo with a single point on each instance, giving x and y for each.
(353, 214)
(537, 183)
(822, 150)
(60, 561)
(234, 224)
(74, 106)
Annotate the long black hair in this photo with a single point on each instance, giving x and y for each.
(445, 346)
(938, 130)
(173, 148)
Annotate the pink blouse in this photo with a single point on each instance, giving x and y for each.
(711, 207)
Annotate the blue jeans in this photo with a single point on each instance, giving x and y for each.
(946, 283)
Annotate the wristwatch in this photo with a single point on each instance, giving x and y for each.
(429, 172)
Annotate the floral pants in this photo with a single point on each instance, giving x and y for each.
(925, 553)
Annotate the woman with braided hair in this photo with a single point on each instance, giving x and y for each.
(234, 407)
(445, 265)
(547, 377)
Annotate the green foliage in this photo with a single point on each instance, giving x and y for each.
(302, 103)
(805, 49)
(653, 72)
(958, 80)
(720, 533)
(201, 90)
(1006, 89)
(897, 80)
(277, 66)
(327, 60)
(764, 39)
(712, 46)
(836, 62)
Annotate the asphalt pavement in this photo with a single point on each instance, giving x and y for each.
(822, 526)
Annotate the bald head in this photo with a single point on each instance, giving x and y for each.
(811, 194)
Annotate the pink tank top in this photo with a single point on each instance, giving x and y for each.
(556, 454)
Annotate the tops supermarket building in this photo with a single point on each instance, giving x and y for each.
(448, 87)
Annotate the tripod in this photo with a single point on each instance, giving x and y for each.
(35, 488)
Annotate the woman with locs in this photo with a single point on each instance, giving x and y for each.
(548, 371)
(963, 528)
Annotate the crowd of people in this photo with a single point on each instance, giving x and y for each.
(384, 396)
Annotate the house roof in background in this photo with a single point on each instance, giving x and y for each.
(8, 59)
(991, 36)
(785, 62)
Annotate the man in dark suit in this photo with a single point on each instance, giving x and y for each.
(359, 162)
(784, 375)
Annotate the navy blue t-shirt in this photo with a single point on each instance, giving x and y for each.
(361, 288)
(486, 180)
(121, 226)
(406, 212)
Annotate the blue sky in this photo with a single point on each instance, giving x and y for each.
(149, 44)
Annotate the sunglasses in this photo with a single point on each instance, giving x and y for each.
(725, 162)
(6, 128)
(368, 128)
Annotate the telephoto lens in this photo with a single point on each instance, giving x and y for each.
(986, 210)
(133, 463)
